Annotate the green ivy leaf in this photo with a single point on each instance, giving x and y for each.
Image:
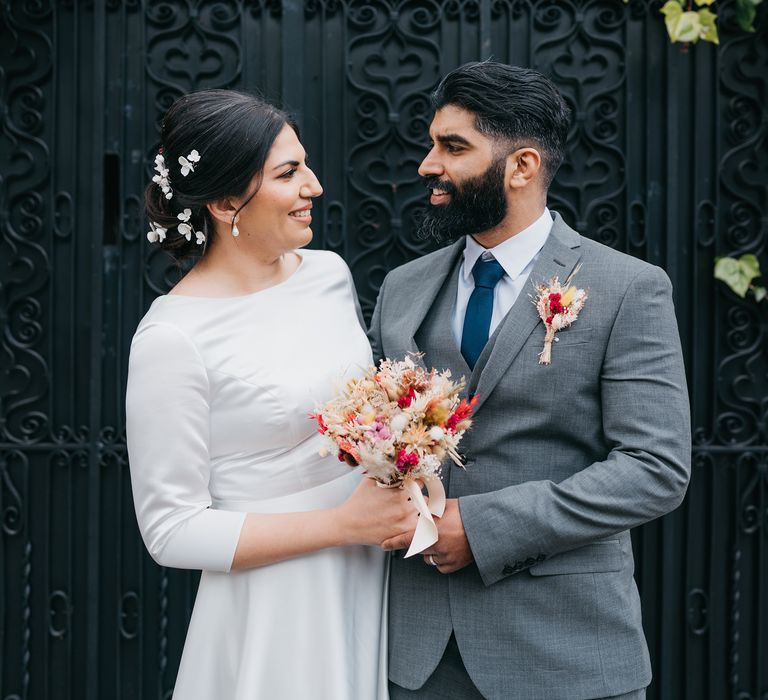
(672, 9)
(730, 271)
(700, 3)
(746, 11)
(760, 293)
(709, 26)
(685, 27)
(750, 265)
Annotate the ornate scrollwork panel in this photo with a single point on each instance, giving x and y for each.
(393, 60)
(359, 78)
(742, 407)
(25, 55)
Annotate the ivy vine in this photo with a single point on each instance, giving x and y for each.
(691, 21)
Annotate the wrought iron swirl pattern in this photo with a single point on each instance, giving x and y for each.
(359, 75)
(24, 162)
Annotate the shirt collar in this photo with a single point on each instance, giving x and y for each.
(515, 253)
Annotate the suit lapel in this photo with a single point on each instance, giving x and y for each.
(422, 300)
(557, 258)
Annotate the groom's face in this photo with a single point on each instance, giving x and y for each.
(464, 176)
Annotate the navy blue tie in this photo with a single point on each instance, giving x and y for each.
(477, 321)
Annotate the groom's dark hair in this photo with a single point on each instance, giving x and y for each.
(517, 105)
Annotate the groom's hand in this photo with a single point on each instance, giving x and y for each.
(451, 552)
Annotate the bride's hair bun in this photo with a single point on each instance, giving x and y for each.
(232, 133)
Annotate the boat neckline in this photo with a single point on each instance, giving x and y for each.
(287, 280)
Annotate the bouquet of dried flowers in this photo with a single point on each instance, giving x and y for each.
(400, 421)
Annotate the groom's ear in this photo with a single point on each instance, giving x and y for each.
(223, 210)
(523, 167)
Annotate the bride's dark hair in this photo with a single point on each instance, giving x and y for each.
(233, 133)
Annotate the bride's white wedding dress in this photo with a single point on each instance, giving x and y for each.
(219, 392)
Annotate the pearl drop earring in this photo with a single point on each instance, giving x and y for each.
(235, 230)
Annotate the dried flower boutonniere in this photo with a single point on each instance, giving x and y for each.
(558, 306)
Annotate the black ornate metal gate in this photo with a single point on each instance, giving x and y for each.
(667, 162)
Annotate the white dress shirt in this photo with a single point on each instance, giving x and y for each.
(517, 255)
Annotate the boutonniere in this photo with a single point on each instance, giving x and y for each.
(558, 306)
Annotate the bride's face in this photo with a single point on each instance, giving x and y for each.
(278, 217)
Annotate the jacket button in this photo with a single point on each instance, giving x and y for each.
(530, 561)
(507, 570)
(541, 557)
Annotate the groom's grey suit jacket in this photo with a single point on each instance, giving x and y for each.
(563, 459)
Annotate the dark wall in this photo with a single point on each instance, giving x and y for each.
(668, 152)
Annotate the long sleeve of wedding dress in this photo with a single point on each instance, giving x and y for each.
(168, 425)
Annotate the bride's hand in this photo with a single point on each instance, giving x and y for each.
(373, 514)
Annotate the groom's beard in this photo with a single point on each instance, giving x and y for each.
(476, 205)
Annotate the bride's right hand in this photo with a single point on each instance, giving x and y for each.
(373, 514)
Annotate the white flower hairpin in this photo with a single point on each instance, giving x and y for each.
(185, 229)
(157, 233)
(162, 176)
(187, 163)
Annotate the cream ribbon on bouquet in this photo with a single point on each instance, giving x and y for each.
(426, 530)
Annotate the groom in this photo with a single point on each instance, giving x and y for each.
(529, 592)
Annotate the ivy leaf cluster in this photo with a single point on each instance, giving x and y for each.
(689, 25)
(741, 275)
(691, 21)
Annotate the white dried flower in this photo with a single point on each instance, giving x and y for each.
(399, 422)
(436, 433)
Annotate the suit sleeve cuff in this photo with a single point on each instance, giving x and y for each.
(492, 533)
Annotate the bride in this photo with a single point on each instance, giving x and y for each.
(224, 460)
